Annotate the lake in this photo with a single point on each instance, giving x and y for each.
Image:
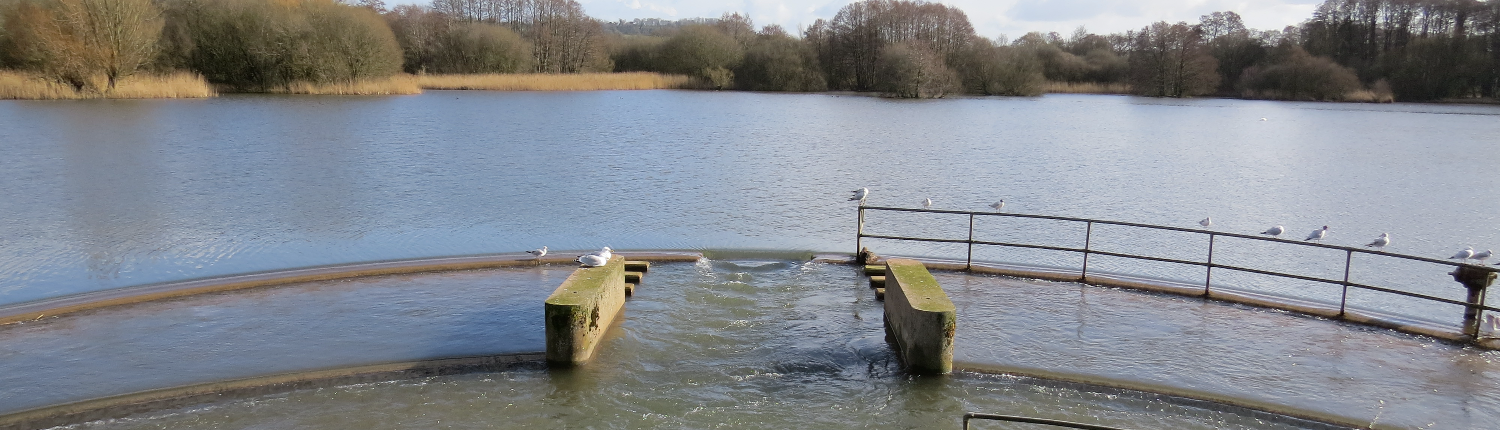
(106, 194)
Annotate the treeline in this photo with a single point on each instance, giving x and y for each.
(1348, 50)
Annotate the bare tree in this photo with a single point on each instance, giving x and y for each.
(79, 41)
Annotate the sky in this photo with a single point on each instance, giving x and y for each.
(991, 18)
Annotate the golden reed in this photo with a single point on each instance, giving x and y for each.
(25, 86)
(394, 85)
(554, 82)
(1087, 88)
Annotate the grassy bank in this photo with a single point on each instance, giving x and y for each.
(1058, 87)
(554, 82)
(394, 85)
(25, 86)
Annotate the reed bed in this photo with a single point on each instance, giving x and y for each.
(555, 82)
(1369, 96)
(394, 85)
(26, 86)
(1087, 88)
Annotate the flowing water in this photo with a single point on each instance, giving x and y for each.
(96, 195)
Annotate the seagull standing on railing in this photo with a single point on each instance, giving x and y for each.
(1464, 255)
(1380, 242)
(927, 203)
(997, 206)
(538, 252)
(1207, 222)
(1275, 231)
(1482, 255)
(1317, 234)
(860, 194)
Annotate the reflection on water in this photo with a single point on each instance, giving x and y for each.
(743, 343)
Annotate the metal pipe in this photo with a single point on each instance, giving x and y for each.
(1344, 300)
(969, 261)
(1209, 276)
(1088, 238)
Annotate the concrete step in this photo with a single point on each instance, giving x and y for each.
(634, 277)
(638, 266)
(877, 282)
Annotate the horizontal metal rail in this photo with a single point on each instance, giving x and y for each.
(1018, 419)
(1208, 265)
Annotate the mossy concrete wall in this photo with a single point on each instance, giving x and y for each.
(919, 317)
(581, 310)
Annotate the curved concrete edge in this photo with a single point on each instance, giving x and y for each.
(1351, 315)
(1305, 418)
(178, 397)
(122, 296)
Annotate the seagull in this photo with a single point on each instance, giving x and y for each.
(1380, 242)
(1464, 255)
(592, 260)
(1317, 234)
(1481, 256)
(1262, 119)
(998, 205)
(1494, 322)
(538, 252)
(860, 194)
(927, 203)
(1275, 231)
(605, 253)
(1207, 222)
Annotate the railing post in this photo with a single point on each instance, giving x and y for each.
(1344, 300)
(969, 261)
(1088, 238)
(1209, 277)
(859, 232)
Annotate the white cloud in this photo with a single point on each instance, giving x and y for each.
(990, 17)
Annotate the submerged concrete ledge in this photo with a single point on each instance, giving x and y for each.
(1218, 293)
(920, 317)
(1305, 418)
(581, 310)
(169, 398)
(128, 295)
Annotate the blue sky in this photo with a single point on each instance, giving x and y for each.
(991, 18)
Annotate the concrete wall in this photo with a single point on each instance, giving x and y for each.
(920, 317)
(581, 310)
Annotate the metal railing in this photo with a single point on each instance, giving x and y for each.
(1473, 306)
(1018, 419)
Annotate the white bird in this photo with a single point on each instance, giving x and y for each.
(538, 252)
(1464, 255)
(1494, 321)
(1380, 242)
(1482, 255)
(860, 194)
(1275, 231)
(605, 253)
(592, 260)
(927, 203)
(1207, 222)
(1317, 234)
(1262, 119)
(998, 205)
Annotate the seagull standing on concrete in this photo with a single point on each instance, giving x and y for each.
(538, 252)
(1275, 231)
(1207, 222)
(592, 260)
(997, 206)
(1380, 242)
(1317, 234)
(860, 194)
(1482, 255)
(1464, 255)
(605, 253)
(927, 203)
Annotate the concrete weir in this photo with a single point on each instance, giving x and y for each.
(582, 309)
(919, 317)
